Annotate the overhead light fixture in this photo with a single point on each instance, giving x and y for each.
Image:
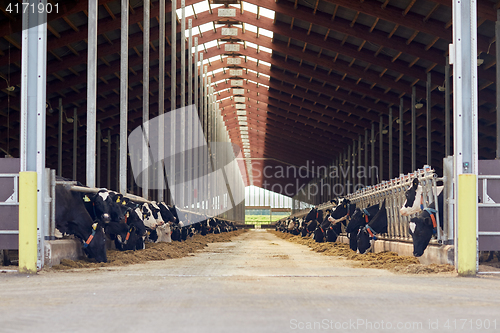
(419, 105)
(480, 61)
(105, 140)
(441, 88)
(11, 88)
(384, 131)
(69, 120)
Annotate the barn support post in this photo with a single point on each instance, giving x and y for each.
(183, 55)
(465, 133)
(117, 156)
(390, 145)
(447, 91)
(191, 125)
(173, 94)
(190, 62)
(183, 137)
(413, 130)
(32, 177)
(372, 141)
(200, 113)
(353, 164)
(75, 141)
(428, 119)
(98, 156)
(145, 101)
(91, 91)
(122, 188)
(381, 149)
(401, 123)
(348, 168)
(196, 104)
(161, 106)
(360, 149)
(108, 174)
(60, 139)
(497, 48)
(367, 176)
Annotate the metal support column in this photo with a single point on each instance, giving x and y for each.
(183, 132)
(373, 175)
(447, 91)
(390, 160)
(98, 156)
(190, 62)
(497, 48)
(413, 131)
(32, 141)
(123, 96)
(59, 139)
(117, 155)
(75, 142)
(428, 118)
(367, 176)
(196, 161)
(145, 100)
(401, 123)
(91, 91)
(161, 105)
(173, 95)
(183, 54)
(381, 150)
(465, 136)
(360, 149)
(108, 174)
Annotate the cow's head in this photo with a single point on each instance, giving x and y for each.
(94, 244)
(312, 214)
(421, 230)
(155, 210)
(357, 221)
(410, 194)
(102, 205)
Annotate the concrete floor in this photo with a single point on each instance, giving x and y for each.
(257, 283)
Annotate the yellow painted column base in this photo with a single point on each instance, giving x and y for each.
(27, 222)
(466, 224)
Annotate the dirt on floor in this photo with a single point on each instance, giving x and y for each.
(153, 251)
(385, 260)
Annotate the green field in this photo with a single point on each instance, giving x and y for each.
(262, 219)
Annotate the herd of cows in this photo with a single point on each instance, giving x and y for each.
(363, 224)
(95, 217)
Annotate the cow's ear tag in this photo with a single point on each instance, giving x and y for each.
(94, 226)
(124, 203)
(86, 198)
(117, 200)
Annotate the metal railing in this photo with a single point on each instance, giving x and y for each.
(393, 192)
(13, 200)
(487, 201)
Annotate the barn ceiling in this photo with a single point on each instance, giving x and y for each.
(316, 75)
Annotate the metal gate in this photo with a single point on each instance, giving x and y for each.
(9, 204)
(489, 205)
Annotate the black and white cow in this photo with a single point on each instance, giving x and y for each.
(377, 225)
(424, 226)
(414, 202)
(359, 219)
(73, 218)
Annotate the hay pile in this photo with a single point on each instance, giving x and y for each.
(385, 260)
(153, 251)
